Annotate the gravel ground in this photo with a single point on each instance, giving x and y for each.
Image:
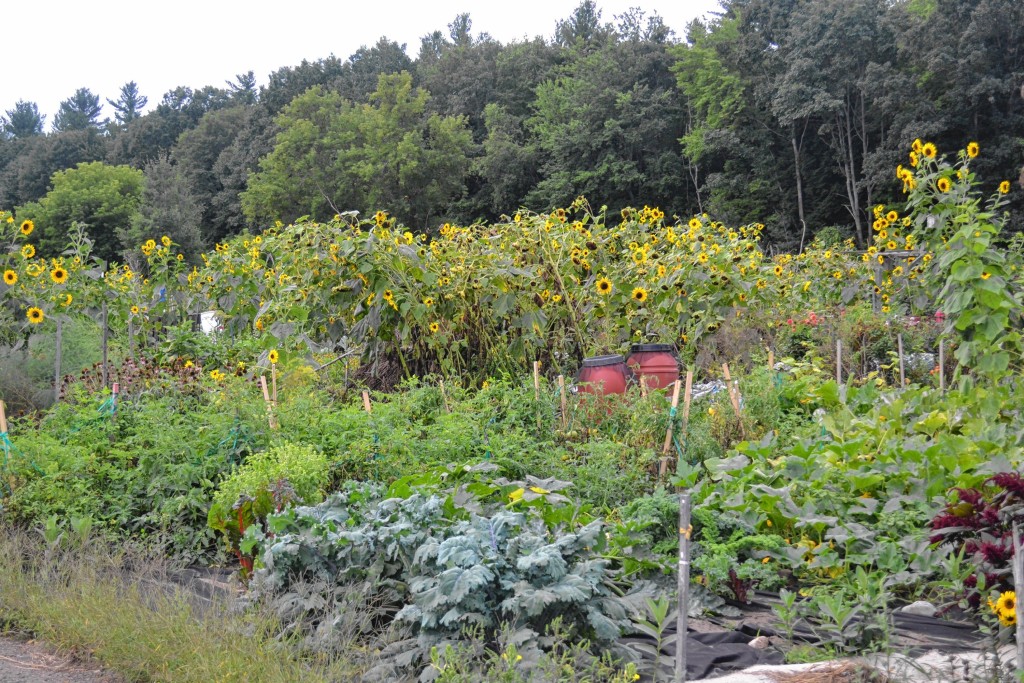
(30, 662)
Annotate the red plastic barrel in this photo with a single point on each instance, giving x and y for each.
(604, 375)
(657, 362)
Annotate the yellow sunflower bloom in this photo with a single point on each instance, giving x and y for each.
(28, 251)
(59, 275)
(273, 356)
(943, 184)
(27, 227)
(972, 149)
(10, 278)
(929, 150)
(604, 286)
(639, 294)
(1004, 187)
(34, 315)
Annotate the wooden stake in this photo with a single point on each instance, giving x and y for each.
(839, 362)
(57, 359)
(687, 397)
(643, 385)
(1018, 588)
(771, 360)
(366, 403)
(3, 418)
(561, 397)
(105, 344)
(683, 585)
(273, 380)
(899, 343)
(271, 420)
(942, 366)
(734, 392)
(115, 390)
(444, 398)
(663, 468)
(536, 379)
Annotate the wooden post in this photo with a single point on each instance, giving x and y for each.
(942, 366)
(1018, 589)
(444, 398)
(663, 468)
(366, 403)
(59, 349)
(105, 344)
(3, 418)
(687, 397)
(771, 361)
(734, 398)
(562, 399)
(683, 585)
(899, 347)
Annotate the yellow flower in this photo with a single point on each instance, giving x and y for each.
(972, 149)
(28, 251)
(943, 184)
(986, 275)
(59, 275)
(434, 327)
(428, 302)
(1004, 187)
(694, 223)
(777, 270)
(10, 278)
(1005, 607)
(914, 161)
(27, 227)
(639, 294)
(702, 257)
(890, 245)
(892, 216)
(181, 257)
(273, 356)
(929, 150)
(897, 271)
(135, 310)
(604, 286)
(34, 315)
(165, 240)
(67, 300)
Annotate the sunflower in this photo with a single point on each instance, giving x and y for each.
(1006, 603)
(897, 271)
(662, 270)
(165, 240)
(890, 245)
(1004, 187)
(428, 302)
(892, 216)
(916, 145)
(943, 184)
(135, 310)
(929, 150)
(639, 294)
(10, 278)
(986, 275)
(28, 251)
(59, 275)
(914, 159)
(34, 315)
(273, 356)
(777, 270)
(67, 300)
(27, 227)
(703, 257)
(434, 327)
(972, 149)
(604, 286)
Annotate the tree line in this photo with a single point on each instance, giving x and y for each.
(792, 113)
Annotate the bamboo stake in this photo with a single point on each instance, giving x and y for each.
(366, 403)
(444, 398)
(562, 399)
(3, 418)
(643, 385)
(1018, 588)
(683, 585)
(942, 366)
(771, 360)
(663, 467)
(273, 380)
(687, 397)
(899, 343)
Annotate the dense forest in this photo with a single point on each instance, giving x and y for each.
(793, 113)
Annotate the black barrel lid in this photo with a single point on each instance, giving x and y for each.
(601, 361)
(649, 348)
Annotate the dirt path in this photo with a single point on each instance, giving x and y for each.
(31, 662)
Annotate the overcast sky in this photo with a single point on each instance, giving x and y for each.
(161, 45)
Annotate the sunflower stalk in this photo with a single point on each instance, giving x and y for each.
(1018, 589)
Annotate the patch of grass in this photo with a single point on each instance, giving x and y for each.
(120, 607)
